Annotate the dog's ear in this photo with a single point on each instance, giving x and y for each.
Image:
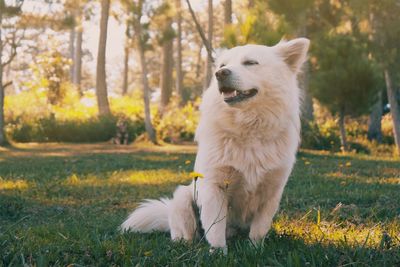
(294, 52)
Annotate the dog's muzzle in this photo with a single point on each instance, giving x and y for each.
(228, 90)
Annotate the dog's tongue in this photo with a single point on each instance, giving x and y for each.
(229, 94)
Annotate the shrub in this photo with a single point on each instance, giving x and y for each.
(321, 137)
(48, 129)
(178, 123)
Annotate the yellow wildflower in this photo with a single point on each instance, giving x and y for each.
(148, 253)
(307, 163)
(348, 164)
(187, 162)
(196, 175)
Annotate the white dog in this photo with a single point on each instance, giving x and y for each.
(248, 135)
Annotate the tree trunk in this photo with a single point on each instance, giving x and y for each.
(2, 123)
(166, 68)
(343, 139)
(209, 61)
(101, 84)
(394, 107)
(126, 61)
(78, 60)
(179, 73)
(71, 53)
(146, 91)
(228, 12)
(375, 118)
(304, 80)
(198, 61)
(307, 103)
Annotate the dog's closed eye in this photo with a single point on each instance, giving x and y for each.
(250, 62)
(222, 65)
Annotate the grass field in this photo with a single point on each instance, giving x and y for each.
(62, 204)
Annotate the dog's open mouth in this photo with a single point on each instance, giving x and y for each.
(232, 95)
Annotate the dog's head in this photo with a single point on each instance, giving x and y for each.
(252, 73)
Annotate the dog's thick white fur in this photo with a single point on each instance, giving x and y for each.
(246, 148)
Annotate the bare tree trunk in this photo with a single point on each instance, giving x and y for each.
(307, 103)
(198, 61)
(78, 60)
(2, 123)
(179, 72)
(304, 81)
(343, 138)
(209, 61)
(146, 90)
(166, 68)
(101, 83)
(71, 53)
(228, 12)
(394, 107)
(126, 61)
(375, 118)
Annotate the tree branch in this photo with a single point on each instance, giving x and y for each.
(201, 32)
(7, 84)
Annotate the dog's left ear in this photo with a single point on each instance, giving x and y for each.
(294, 52)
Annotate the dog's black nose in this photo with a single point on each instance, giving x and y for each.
(222, 74)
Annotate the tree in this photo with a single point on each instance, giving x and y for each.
(141, 39)
(344, 79)
(101, 83)
(375, 118)
(383, 17)
(179, 72)
(207, 42)
(6, 11)
(228, 12)
(166, 41)
(296, 14)
(209, 60)
(127, 49)
(77, 77)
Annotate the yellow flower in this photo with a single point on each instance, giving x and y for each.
(307, 163)
(148, 253)
(187, 162)
(196, 175)
(348, 164)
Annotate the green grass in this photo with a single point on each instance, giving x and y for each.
(62, 204)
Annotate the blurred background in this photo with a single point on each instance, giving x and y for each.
(118, 70)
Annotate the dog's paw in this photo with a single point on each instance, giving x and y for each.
(223, 250)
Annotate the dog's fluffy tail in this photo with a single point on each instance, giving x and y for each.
(151, 215)
(175, 215)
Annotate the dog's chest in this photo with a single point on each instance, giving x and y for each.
(248, 157)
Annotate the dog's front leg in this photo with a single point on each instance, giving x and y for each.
(272, 194)
(213, 213)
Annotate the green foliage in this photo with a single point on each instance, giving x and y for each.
(178, 123)
(258, 25)
(344, 79)
(321, 137)
(48, 129)
(61, 205)
(51, 75)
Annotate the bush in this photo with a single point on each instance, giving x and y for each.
(178, 123)
(321, 137)
(48, 129)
